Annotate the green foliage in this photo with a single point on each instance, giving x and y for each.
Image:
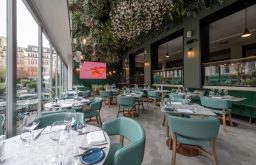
(91, 18)
(32, 84)
(2, 87)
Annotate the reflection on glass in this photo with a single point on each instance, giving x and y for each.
(242, 74)
(3, 62)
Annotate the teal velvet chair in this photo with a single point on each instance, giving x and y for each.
(106, 96)
(94, 110)
(126, 103)
(48, 119)
(154, 95)
(133, 152)
(218, 106)
(2, 121)
(196, 133)
(84, 94)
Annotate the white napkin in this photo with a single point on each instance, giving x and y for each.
(216, 97)
(55, 128)
(176, 103)
(184, 110)
(96, 137)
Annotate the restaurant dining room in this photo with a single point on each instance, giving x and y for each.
(127, 82)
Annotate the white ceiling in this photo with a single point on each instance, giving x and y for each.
(227, 31)
(54, 18)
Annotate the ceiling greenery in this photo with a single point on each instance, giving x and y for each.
(106, 29)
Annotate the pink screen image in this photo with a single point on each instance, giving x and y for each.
(93, 70)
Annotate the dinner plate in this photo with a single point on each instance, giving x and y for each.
(92, 156)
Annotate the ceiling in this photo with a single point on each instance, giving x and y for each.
(53, 16)
(175, 50)
(227, 31)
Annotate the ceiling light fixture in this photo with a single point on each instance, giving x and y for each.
(246, 32)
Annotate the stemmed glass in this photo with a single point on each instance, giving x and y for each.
(27, 129)
(57, 133)
(225, 91)
(70, 119)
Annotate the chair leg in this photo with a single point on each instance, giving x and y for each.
(97, 120)
(100, 120)
(213, 152)
(122, 139)
(164, 120)
(174, 148)
(224, 121)
(230, 119)
(118, 111)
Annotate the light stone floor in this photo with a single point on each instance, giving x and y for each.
(237, 147)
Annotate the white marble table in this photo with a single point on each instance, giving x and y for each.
(68, 103)
(43, 149)
(229, 98)
(197, 110)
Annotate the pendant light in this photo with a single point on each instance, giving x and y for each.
(246, 32)
(167, 55)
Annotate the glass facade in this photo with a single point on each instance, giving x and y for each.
(240, 73)
(27, 65)
(3, 38)
(172, 76)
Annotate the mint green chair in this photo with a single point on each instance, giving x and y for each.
(84, 94)
(106, 96)
(133, 152)
(196, 133)
(2, 121)
(94, 110)
(154, 95)
(126, 103)
(47, 120)
(218, 106)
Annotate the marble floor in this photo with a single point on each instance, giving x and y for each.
(237, 147)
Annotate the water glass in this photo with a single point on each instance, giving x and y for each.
(2, 148)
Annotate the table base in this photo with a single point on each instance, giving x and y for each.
(185, 150)
(126, 114)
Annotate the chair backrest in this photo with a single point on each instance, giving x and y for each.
(105, 93)
(155, 94)
(125, 100)
(47, 120)
(133, 153)
(215, 103)
(194, 128)
(84, 93)
(96, 104)
(175, 95)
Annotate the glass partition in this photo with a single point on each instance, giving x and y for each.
(241, 73)
(173, 76)
(3, 61)
(27, 66)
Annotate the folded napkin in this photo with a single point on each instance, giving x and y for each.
(184, 110)
(85, 101)
(96, 137)
(176, 103)
(55, 128)
(216, 97)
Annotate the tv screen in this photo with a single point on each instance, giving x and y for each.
(93, 70)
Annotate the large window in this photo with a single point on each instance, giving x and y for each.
(27, 65)
(2, 60)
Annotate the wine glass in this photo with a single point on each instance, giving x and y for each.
(70, 119)
(188, 100)
(27, 129)
(58, 134)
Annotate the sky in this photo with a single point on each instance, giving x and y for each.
(27, 29)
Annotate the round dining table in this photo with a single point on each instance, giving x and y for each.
(67, 103)
(43, 149)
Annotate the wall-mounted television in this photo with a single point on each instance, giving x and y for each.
(93, 70)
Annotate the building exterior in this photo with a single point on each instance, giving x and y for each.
(27, 61)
